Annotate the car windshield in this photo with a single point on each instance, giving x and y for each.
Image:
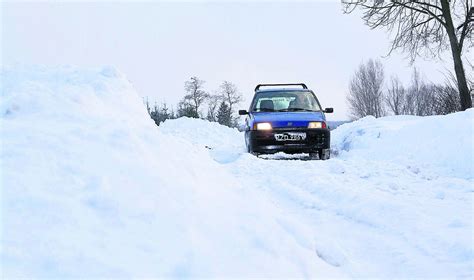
(281, 101)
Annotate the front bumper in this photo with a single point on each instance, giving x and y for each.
(263, 141)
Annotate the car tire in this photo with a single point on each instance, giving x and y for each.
(250, 150)
(313, 155)
(255, 154)
(324, 154)
(247, 143)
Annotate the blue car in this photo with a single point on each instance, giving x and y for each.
(286, 120)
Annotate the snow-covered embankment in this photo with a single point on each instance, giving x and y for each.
(396, 201)
(92, 188)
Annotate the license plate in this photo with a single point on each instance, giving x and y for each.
(290, 136)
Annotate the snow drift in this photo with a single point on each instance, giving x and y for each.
(442, 143)
(90, 187)
(395, 203)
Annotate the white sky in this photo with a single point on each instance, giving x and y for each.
(159, 45)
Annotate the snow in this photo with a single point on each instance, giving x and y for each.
(444, 144)
(90, 187)
(391, 204)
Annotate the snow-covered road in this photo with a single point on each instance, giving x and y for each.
(91, 188)
(369, 217)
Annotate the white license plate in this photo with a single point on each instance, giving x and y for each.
(290, 136)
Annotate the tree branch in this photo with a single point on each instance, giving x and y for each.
(421, 10)
(465, 26)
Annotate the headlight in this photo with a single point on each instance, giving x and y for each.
(317, 125)
(264, 126)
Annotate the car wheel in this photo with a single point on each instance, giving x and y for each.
(313, 155)
(251, 151)
(247, 144)
(324, 154)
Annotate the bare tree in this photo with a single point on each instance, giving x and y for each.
(470, 79)
(446, 99)
(213, 105)
(365, 91)
(424, 27)
(195, 94)
(186, 109)
(421, 96)
(426, 100)
(395, 98)
(409, 107)
(230, 94)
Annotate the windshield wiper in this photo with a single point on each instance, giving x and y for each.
(266, 110)
(299, 109)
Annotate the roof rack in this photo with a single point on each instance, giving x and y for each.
(273, 85)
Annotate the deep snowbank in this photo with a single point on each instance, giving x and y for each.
(224, 144)
(441, 143)
(375, 210)
(91, 188)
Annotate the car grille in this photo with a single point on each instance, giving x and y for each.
(293, 128)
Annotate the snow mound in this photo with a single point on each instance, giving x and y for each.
(225, 144)
(92, 188)
(444, 144)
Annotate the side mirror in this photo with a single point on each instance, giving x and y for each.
(243, 112)
(329, 110)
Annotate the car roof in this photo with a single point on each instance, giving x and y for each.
(283, 89)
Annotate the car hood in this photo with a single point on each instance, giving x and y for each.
(286, 119)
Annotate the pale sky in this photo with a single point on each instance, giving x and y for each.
(159, 45)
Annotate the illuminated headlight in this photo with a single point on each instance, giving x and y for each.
(316, 125)
(264, 126)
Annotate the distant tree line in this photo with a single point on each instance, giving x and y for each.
(160, 113)
(219, 107)
(368, 94)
